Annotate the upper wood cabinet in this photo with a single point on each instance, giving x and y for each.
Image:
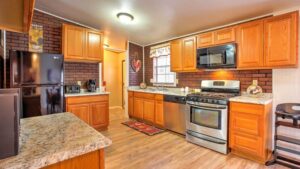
(16, 16)
(217, 37)
(176, 55)
(205, 39)
(73, 42)
(250, 44)
(94, 45)
(81, 44)
(281, 40)
(183, 54)
(225, 35)
(189, 47)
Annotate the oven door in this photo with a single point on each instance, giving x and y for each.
(208, 120)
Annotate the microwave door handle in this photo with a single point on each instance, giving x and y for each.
(224, 57)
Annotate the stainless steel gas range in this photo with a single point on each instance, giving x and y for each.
(207, 114)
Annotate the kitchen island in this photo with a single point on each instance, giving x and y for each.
(57, 141)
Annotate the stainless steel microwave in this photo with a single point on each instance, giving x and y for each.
(223, 56)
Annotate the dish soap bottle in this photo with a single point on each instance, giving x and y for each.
(254, 89)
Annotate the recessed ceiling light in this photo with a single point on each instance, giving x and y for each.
(125, 17)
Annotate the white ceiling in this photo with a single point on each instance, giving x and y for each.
(158, 20)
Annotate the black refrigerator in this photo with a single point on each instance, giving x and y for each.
(40, 79)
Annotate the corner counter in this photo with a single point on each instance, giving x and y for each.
(52, 139)
(264, 99)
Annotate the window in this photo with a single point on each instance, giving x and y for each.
(162, 74)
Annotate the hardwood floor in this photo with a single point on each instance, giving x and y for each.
(134, 150)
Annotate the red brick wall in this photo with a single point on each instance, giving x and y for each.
(52, 33)
(193, 80)
(135, 78)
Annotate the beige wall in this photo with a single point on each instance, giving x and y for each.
(113, 76)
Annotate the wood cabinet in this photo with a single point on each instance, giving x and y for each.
(73, 42)
(81, 111)
(81, 44)
(176, 56)
(148, 107)
(189, 53)
(183, 54)
(91, 109)
(92, 160)
(217, 37)
(281, 40)
(250, 131)
(250, 44)
(138, 108)
(16, 16)
(130, 103)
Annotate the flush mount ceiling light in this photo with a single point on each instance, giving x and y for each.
(125, 17)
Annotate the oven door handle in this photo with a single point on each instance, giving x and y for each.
(205, 138)
(209, 107)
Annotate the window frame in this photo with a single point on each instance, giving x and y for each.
(155, 72)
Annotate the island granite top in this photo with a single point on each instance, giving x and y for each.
(50, 139)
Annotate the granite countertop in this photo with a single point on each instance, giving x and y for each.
(85, 93)
(264, 98)
(50, 139)
(164, 91)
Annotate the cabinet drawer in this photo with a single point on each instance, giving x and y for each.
(246, 123)
(86, 99)
(144, 95)
(247, 108)
(159, 97)
(205, 39)
(246, 144)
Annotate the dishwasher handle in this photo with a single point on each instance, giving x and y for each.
(175, 99)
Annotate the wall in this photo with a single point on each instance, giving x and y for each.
(193, 80)
(52, 33)
(135, 78)
(113, 76)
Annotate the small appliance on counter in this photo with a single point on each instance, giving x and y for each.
(74, 88)
(91, 85)
(10, 104)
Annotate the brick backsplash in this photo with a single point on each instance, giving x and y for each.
(52, 33)
(135, 78)
(193, 80)
(81, 72)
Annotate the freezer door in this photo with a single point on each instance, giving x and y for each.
(42, 100)
(36, 68)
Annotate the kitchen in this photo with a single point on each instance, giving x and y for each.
(204, 96)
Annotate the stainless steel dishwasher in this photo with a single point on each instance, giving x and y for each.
(174, 112)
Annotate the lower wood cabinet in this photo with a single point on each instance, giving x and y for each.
(146, 107)
(91, 109)
(250, 131)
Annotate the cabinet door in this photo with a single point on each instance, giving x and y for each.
(94, 48)
(281, 40)
(138, 109)
(99, 116)
(189, 53)
(81, 111)
(224, 35)
(149, 110)
(130, 104)
(205, 39)
(247, 144)
(73, 42)
(159, 113)
(176, 55)
(250, 44)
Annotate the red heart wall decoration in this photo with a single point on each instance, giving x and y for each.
(136, 64)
